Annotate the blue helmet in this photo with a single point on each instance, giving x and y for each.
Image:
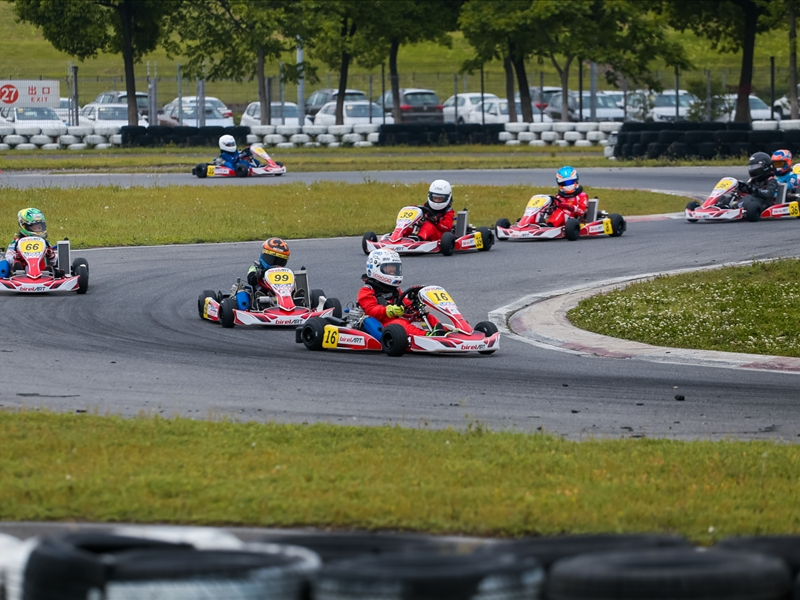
(567, 179)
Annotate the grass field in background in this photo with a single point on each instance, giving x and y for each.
(116, 216)
(749, 309)
(474, 481)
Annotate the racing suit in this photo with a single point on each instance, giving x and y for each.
(791, 181)
(764, 190)
(568, 205)
(436, 223)
(228, 159)
(374, 297)
(13, 257)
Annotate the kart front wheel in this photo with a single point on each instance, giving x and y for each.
(83, 277)
(618, 225)
(488, 329)
(447, 243)
(201, 300)
(312, 333)
(752, 210)
(77, 263)
(693, 205)
(201, 171)
(335, 305)
(488, 238)
(394, 340)
(572, 229)
(226, 314)
(504, 223)
(368, 237)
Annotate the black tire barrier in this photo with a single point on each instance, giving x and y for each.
(212, 134)
(729, 137)
(431, 577)
(648, 137)
(707, 149)
(196, 140)
(785, 547)
(743, 149)
(792, 136)
(631, 126)
(145, 140)
(739, 126)
(131, 133)
(667, 137)
(622, 137)
(670, 574)
(766, 137)
(637, 150)
(655, 150)
(698, 137)
(159, 131)
(626, 151)
(346, 546)
(677, 150)
(434, 134)
(772, 147)
(635, 137)
(239, 134)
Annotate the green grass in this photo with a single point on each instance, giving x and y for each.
(749, 309)
(91, 468)
(116, 216)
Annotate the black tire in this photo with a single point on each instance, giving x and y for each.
(572, 229)
(505, 223)
(752, 210)
(487, 328)
(226, 314)
(395, 340)
(370, 235)
(201, 170)
(83, 279)
(201, 300)
(77, 262)
(693, 205)
(313, 298)
(335, 547)
(279, 163)
(785, 547)
(242, 170)
(487, 235)
(335, 305)
(447, 243)
(618, 224)
(670, 573)
(312, 333)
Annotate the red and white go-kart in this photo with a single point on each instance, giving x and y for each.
(33, 275)
(730, 201)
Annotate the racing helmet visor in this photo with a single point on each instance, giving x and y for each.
(568, 183)
(779, 164)
(392, 269)
(35, 227)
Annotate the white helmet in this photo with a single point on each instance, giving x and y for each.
(385, 266)
(440, 194)
(227, 143)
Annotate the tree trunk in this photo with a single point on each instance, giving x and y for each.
(512, 106)
(394, 80)
(125, 10)
(347, 35)
(792, 60)
(563, 73)
(751, 15)
(522, 84)
(262, 88)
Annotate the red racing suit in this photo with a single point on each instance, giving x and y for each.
(13, 256)
(436, 223)
(566, 206)
(374, 304)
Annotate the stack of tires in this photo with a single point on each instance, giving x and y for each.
(686, 140)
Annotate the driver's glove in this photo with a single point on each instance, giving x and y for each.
(219, 161)
(394, 311)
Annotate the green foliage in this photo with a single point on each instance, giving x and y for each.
(721, 106)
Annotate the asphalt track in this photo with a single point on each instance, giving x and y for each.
(135, 344)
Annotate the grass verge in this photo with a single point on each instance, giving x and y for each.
(748, 309)
(86, 467)
(116, 216)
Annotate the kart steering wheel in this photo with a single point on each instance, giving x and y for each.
(412, 294)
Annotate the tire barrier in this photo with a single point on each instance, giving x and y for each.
(785, 547)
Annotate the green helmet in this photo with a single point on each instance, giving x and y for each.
(31, 222)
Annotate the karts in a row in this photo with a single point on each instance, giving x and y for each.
(358, 332)
(33, 275)
(730, 201)
(534, 225)
(253, 162)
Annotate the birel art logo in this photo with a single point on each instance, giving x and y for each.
(355, 340)
(473, 346)
(287, 321)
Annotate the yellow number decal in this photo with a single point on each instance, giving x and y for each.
(210, 171)
(440, 297)
(330, 339)
(205, 307)
(407, 214)
(280, 278)
(537, 201)
(723, 184)
(478, 240)
(32, 246)
(607, 228)
(794, 209)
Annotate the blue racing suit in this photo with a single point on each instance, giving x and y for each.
(791, 181)
(229, 159)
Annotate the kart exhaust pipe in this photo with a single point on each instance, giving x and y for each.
(62, 251)
(462, 220)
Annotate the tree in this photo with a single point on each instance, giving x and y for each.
(82, 28)
(730, 26)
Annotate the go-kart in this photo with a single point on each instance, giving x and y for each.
(730, 200)
(404, 238)
(356, 331)
(285, 301)
(533, 224)
(253, 162)
(33, 275)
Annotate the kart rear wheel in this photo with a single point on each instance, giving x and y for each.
(488, 329)
(693, 205)
(488, 238)
(312, 333)
(369, 236)
(335, 305)
(752, 210)
(314, 297)
(572, 229)
(242, 170)
(226, 314)
(447, 243)
(200, 170)
(394, 340)
(618, 225)
(201, 300)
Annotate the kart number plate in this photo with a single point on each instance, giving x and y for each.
(407, 215)
(724, 184)
(280, 278)
(794, 209)
(31, 246)
(440, 297)
(330, 337)
(537, 201)
(607, 228)
(478, 240)
(210, 171)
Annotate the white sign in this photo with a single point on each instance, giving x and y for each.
(29, 92)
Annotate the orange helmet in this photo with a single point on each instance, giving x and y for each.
(274, 253)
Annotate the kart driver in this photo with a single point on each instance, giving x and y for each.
(438, 211)
(31, 223)
(782, 162)
(229, 153)
(380, 296)
(571, 200)
(762, 185)
(274, 253)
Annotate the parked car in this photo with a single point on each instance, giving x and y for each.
(492, 111)
(354, 112)
(466, 102)
(648, 106)
(252, 114)
(37, 116)
(321, 97)
(759, 110)
(108, 115)
(416, 105)
(540, 97)
(606, 108)
(214, 117)
(142, 100)
(64, 110)
(783, 108)
(210, 100)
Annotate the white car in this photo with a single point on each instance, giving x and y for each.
(43, 118)
(210, 101)
(466, 102)
(107, 115)
(783, 108)
(759, 110)
(252, 115)
(214, 118)
(354, 112)
(660, 107)
(64, 110)
(496, 111)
